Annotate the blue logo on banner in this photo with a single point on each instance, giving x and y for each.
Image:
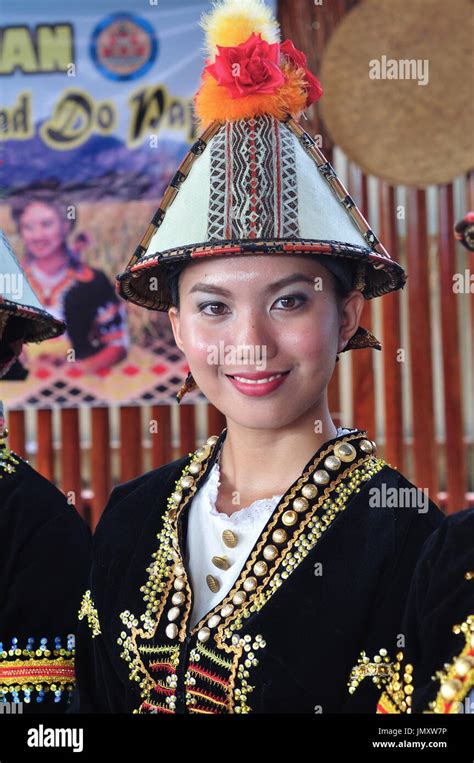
(123, 46)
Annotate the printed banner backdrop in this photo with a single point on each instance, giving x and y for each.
(96, 115)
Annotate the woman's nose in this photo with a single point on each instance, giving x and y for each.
(251, 328)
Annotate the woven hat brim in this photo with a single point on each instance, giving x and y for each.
(145, 283)
(39, 324)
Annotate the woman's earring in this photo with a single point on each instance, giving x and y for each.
(188, 385)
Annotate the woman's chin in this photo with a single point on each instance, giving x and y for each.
(259, 413)
(40, 254)
(273, 409)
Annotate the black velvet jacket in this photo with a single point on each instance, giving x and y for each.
(44, 566)
(327, 577)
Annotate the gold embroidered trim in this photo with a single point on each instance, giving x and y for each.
(88, 610)
(240, 686)
(40, 671)
(398, 690)
(457, 679)
(223, 663)
(8, 462)
(303, 543)
(379, 669)
(157, 649)
(193, 693)
(236, 687)
(167, 569)
(396, 696)
(37, 671)
(157, 589)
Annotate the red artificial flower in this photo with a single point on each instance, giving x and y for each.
(249, 68)
(298, 58)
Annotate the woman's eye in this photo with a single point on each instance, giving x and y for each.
(291, 302)
(205, 305)
(291, 299)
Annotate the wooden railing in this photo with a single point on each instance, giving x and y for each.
(89, 488)
(87, 475)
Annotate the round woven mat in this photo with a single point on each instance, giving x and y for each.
(396, 129)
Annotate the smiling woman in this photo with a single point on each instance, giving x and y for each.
(344, 275)
(287, 307)
(248, 576)
(97, 334)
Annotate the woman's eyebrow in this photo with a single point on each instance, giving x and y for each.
(293, 278)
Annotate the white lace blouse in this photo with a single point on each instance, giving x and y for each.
(205, 541)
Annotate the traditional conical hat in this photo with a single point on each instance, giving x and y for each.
(255, 182)
(17, 298)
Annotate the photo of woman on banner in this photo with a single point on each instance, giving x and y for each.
(82, 296)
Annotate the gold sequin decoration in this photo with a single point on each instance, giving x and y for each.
(88, 610)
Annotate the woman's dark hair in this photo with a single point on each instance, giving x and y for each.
(174, 272)
(13, 333)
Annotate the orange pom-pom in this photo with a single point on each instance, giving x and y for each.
(214, 104)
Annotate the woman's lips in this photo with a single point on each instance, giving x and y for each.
(257, 385)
